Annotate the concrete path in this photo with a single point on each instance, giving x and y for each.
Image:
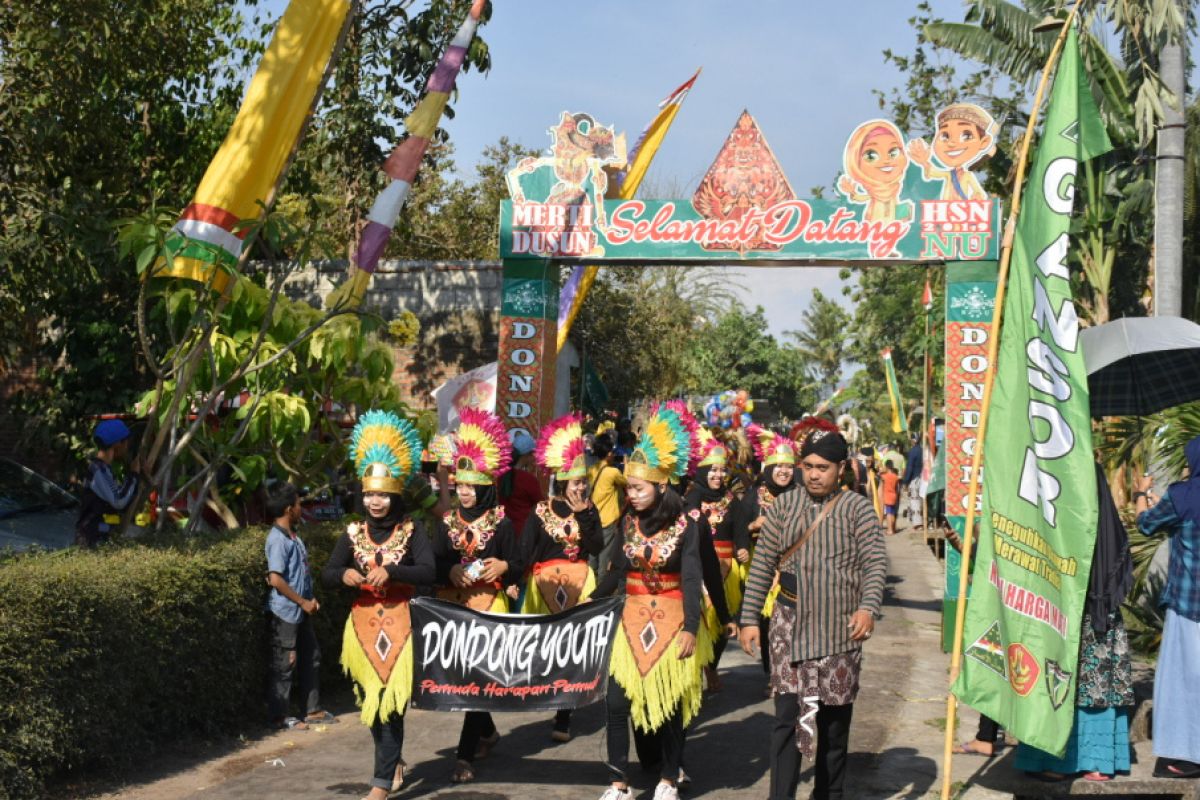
(896, 738)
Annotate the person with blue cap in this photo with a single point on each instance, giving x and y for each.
(103, 500)
(519, 488)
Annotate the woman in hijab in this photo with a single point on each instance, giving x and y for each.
(655, 669)
(778, 457)
(475, 551)
(875, 164)
(710, 496)
(561, 534)
(1099, 743)
(1177, 673)
(385, 559)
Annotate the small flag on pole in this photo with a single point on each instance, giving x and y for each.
(582, 277)
(927, 295)
(899, 422)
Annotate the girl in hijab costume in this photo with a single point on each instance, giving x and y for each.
(475, 550)
(386, 559)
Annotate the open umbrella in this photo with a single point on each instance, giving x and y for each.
(1137, 366)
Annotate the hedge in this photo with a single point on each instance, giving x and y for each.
(106, 656)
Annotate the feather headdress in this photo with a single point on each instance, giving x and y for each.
(385, 450)
(561, 449)
(482, 452)
(668, 449)
(771, 448)
(712, 452)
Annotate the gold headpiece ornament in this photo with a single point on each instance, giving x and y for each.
(385, 450)
(482, 451)
(668, 449)
(561, 449)
(712, 451)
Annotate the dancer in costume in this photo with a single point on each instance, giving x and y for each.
(561, 534)
(778, 458)
(718, 555)
(476, 553)
(385, 559)
(661, 646)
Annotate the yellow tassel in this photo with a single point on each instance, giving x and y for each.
(769, 603)
(536, 604)
(733, 590)
(377, 701)
(672, 683)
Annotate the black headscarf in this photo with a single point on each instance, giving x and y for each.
(700, 491)
(767, 479)
(485, 500)
(1112, 564)
(381, 528)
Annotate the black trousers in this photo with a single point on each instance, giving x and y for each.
(562, 719)
(294, 654)
(669, 736)
(476, 725)
(389, 741)
(833, 740)
(764, 644)
(989, 729)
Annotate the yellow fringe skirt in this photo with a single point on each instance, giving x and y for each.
(645, 663)
(377, 654)
(557, 585)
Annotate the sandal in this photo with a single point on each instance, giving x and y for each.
(320, 718)
(1097, 777)
(463, 772)
(398, 780)
(291, 724)
(967, 749)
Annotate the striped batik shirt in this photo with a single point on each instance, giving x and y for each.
(841, 569)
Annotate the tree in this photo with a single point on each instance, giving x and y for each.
(822, 342)
(94, 123)
(737, 352)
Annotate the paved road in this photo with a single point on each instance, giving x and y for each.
(896, 738)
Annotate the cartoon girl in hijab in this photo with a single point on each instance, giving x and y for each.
(875, 163)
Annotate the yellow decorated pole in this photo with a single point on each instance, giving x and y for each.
(250, 162)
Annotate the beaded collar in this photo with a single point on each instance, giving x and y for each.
(368, 553)
(716, 511)
(469, 538)
(651, 553)
(765, 498)
(563, 530)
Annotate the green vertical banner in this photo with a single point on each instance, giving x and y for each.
(1038, 523)
(970, 301)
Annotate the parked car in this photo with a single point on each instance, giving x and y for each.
(34, 511)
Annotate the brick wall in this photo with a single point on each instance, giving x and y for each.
(457, 303)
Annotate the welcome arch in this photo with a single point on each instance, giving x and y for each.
(900, 202)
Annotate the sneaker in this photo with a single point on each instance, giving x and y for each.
(560, 736)
(684, 780)
(665, 791)
(613, 793)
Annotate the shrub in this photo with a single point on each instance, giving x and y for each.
(107, 655)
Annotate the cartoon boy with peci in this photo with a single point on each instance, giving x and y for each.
(965, 134)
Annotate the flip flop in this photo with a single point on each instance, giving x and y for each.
(965, 749)
(291, 724)
(320, 718)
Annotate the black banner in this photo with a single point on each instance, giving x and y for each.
(465, 660)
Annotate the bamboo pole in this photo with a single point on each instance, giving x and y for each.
(989, 380)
